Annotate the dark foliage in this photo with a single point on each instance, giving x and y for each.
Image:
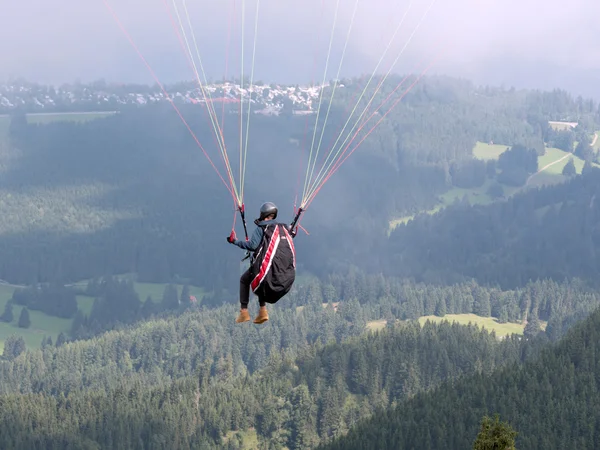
(551, 401)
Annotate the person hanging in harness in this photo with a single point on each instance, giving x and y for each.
(272, 268)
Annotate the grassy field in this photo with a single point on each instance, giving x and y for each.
(85, 303)
(478, 196)
(561, 125)
(242, 439)
(553, 173)
(376, 325)
(552, 155)
(154, 290)
(546, 179)
(490, 323)
(43, 118)
(488, 151)
(475, 196)
(43, 324)
(405, 219)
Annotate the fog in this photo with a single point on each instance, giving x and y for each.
(535, 43)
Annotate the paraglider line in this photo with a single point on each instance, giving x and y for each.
(243, 177)
(340, 162)
(310, 156)
(139, 53)
(207, 99)
(325, 155)
(227, 48)
(335, 84)
(192, 66)
(340, 153)
(305, 135)
(242, 87)
(323, 170)
(319, 176)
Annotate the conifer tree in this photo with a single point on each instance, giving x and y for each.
(7, 316)
(24, 320)
(13, 346)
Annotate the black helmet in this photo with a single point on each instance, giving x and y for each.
(267, 209)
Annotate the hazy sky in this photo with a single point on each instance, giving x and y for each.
(529, 43)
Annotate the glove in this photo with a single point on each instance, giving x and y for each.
(231, 238)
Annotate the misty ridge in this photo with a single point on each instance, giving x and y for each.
(443, 163)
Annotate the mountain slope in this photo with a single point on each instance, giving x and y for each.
(550, 232)
(551, 402)
(294, 403)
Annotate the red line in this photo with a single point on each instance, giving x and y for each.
(191, 65)
(190, 62)
(130, 39)
(340, 162)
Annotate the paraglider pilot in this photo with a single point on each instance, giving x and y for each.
(268, 212)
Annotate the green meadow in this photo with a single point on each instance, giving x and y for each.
(45, 325)
(44, 118)
(489, 323)
(550, 166)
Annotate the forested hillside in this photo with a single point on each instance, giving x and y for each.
(550, 401)
(551, 232)
(268, 379)
(91, 209)
(293, 403)
(133, 193)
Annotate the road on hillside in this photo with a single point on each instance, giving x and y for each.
(545, 167)
(557, 161)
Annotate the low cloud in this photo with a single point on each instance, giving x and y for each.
(535, 43)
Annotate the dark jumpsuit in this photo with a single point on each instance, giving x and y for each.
(246, 278)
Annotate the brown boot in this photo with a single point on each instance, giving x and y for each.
(263, 315)
(243, 317)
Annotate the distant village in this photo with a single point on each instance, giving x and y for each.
(99, 96)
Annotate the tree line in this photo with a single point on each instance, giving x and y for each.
(551, 400)
(545, 232)
(172, 347)
(293, 402)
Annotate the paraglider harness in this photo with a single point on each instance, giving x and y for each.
(273, 264)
